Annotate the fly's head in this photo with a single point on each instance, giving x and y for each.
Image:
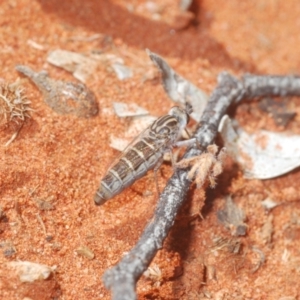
(168, 128)
(163, 127)
(181, 115)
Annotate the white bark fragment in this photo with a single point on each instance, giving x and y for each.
(179, 89)
(263, 155)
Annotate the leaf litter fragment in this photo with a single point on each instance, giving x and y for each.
(269, 204)
(124, 110)
(232, 217)
(81, 66)
(123, 72)
(8, 248)
(267, 230)
(178, 88)
(264, 154)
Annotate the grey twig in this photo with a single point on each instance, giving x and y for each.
(122, 278)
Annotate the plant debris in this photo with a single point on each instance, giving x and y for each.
(261, 260)
(14, 108)
(232, 245)
(154, 273)
(81, 66)
(63, 97)
(44, 204)
(269, 204)
(124, 110)
(267, 230)
(264, 154)
(207, 165)
(179, 89)
(121, 71)
(8, 249)
(232, 217)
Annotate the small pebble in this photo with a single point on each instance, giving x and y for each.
(85, 251)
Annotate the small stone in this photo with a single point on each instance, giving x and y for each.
(85, 251)
(29, 271)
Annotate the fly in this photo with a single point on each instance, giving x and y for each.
(144, 153)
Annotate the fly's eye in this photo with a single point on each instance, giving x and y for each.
(164, 131)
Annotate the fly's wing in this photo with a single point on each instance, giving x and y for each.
(158, 144)
(143, 134)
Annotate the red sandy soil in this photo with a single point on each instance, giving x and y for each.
(61, 158)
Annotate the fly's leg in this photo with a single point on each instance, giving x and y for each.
(172, 160)
(156, 168)
(191, 141)
(186, 143)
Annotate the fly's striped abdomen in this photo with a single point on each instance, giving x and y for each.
(142, 155)
(134, 164)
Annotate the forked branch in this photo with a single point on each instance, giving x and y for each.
(122, 278)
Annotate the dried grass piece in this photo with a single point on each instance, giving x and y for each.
(228, 245)
(205, 165)
(154, 273)
(267, 230)
(261, 260)
(14, 108)
(44, 204)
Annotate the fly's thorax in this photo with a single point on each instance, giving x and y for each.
(166, 129)
(180, 115)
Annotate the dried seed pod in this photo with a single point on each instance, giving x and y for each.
(14, 108)
(63, 97)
